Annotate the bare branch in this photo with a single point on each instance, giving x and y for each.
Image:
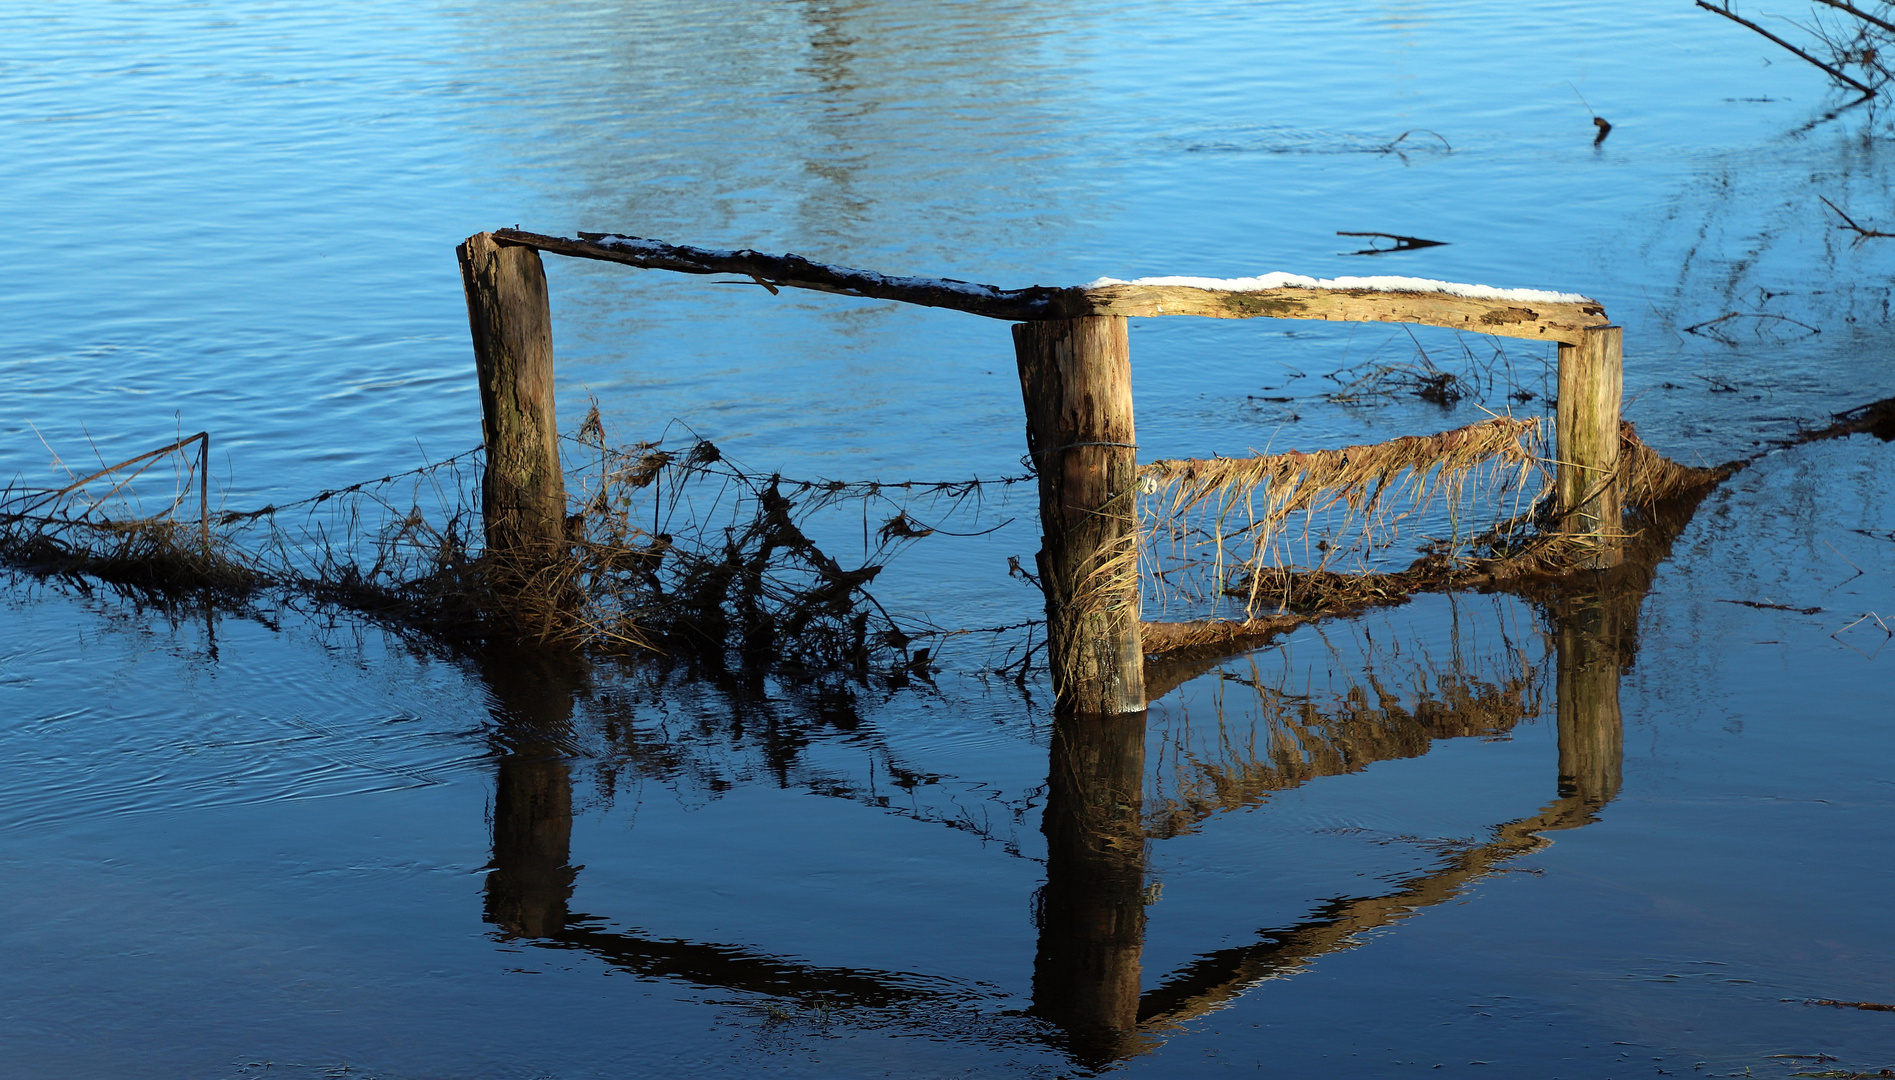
(1872, 20)
(1862, 233)
(1835, 73)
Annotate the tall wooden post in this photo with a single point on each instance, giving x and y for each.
(1091, 913)
(523, 494)
(1591, 380)
(1076, 378)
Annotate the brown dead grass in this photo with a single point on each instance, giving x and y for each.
(669, 550)
(1212, 523)
(1518, 553)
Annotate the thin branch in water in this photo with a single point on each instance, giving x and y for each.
(1752, 315)
(1849, 223)
(1402, 243)
(1867, 615)
(1872, 20)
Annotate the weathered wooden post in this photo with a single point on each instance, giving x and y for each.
(1591, 380)
(523, 493)
(1076, 379)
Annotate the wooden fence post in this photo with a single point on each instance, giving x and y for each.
(1591, 380)
(523, 492)
(1076, 379)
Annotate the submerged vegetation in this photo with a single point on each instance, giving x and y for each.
(675, 550)
(672, 549)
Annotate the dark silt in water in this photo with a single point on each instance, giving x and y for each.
(1631, 829)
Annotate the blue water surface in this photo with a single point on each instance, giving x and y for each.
(244, 846)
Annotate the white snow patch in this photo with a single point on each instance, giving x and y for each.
(1373, 284)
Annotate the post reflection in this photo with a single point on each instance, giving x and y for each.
(1092, 920)
(1091, 911)
(531, 877)
(1591, 731)
(530, 880)
(1090, 996)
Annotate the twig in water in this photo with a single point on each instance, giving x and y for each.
(1766, 605)
(1850, 224)
(1757, 314)
(1389, 148)
(1844, 630)
(1869, 1006)
(1844, 558)
(1402, 243)
(1600, 122)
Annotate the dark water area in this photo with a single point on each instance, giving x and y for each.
(1628, 830)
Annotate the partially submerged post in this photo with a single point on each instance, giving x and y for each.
(1076, 379)
(523, 491)
(1590, 384)
(1075, 375)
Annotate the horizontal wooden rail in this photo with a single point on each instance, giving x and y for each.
(1538, 320)
(796, 272)
(1505, 313)
(1076, 385)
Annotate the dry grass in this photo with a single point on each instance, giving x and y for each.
(95, 527)
(671, 550)
(675, 550)
(1647, 477)
(157, 556)
(1518, 552)
(1212, 523)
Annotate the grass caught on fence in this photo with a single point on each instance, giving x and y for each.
(1374, 493)
(671, 548)
(1211, 523)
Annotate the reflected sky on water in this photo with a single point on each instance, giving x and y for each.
(1466, 828)
(1581, 836)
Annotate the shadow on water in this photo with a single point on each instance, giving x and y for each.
(1089, 995)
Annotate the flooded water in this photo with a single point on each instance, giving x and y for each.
(1630, 831)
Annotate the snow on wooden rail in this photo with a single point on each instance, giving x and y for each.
(1520, 313)
(1074, 358)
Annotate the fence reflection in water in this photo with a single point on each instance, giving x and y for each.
(1106, 804)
